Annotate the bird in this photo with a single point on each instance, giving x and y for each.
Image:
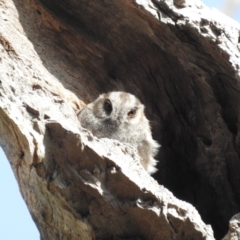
(120, 116)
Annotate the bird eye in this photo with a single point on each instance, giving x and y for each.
(132, 113)
(107, 106)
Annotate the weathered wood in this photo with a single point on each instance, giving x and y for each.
(179, 58)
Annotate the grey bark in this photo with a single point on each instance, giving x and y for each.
(179, 58)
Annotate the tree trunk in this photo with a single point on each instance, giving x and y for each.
(179, 58)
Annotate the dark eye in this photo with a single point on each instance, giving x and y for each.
(132, 113)
(107, 106)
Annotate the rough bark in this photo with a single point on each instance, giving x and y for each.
(179, 58)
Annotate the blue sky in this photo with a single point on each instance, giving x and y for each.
(215, 4)
(15, 220)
